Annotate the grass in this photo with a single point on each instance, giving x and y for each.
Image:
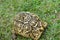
(47, 10)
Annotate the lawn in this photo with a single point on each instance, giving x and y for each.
(47, 10)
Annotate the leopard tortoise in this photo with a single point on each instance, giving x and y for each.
(28, 25)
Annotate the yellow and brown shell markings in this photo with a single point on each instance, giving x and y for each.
(28, 25)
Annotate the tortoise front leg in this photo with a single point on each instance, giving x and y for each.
(14, 35)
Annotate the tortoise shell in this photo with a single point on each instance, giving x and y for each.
(28, 25)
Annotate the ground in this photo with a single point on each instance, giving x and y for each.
(47, 10)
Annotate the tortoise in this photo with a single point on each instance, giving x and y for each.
(28, 25)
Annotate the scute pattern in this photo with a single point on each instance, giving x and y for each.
(28, 25)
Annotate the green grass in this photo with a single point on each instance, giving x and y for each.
(47, 10)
